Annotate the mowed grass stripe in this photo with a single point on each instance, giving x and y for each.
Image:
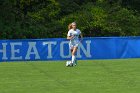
(90, 76)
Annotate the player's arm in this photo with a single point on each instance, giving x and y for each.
(70, 37)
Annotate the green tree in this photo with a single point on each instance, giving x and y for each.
(50, 18)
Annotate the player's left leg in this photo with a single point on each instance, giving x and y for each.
(73, 55)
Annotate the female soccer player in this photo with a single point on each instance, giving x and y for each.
(73, 36)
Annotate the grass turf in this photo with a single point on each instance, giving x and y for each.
(95, 76)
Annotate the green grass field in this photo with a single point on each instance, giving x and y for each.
(95, 76)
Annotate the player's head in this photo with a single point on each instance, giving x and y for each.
(72, 25)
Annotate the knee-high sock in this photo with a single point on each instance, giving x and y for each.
(73, 59)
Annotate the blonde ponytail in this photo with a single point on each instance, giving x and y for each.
(70, 26)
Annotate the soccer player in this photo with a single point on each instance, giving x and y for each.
(73, 36)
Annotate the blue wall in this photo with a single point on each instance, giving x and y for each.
(57, 49)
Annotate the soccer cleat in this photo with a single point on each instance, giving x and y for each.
(68, 63)
(71, 64)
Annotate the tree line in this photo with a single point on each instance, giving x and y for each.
(22, 19)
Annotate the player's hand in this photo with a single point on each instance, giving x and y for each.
(70, 37)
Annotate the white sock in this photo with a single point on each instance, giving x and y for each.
(73, 59)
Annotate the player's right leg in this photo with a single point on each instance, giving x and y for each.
(71, 49)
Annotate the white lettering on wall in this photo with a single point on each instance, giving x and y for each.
(86, 50)
(32, 46)
(49, 48)
(14, 51)
(62, 50)
(3, 51)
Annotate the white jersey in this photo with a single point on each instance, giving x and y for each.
(75, 40)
